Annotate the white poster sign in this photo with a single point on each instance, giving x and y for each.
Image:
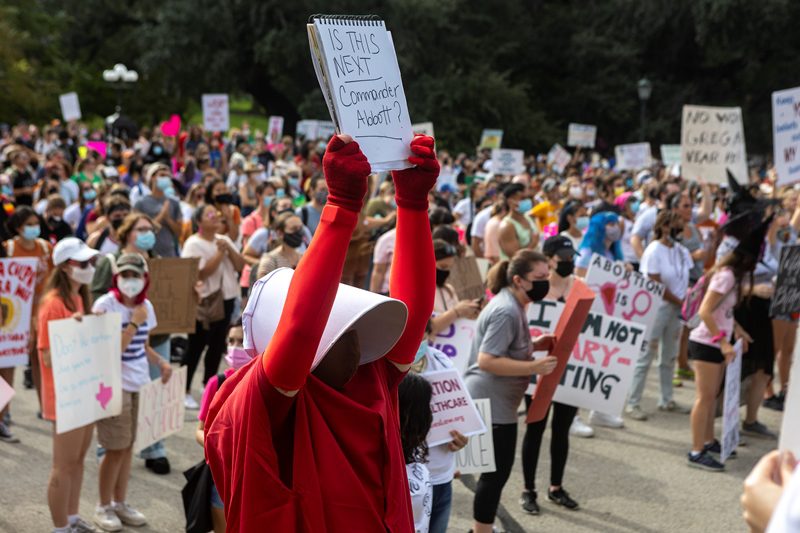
(477, 456)
(6, 393)
(70, 106)
(790, 429)
(558, 158)
(452, 408)
(786, 134)
(634, 156)
(216, 116)
(712, 141)
(18, 278)
(456, 342)
(425, 128)
(275, 129)
(583, 135)
(161, 409)
(730, 405)
(491, 139)
(87, 369)
(670, 154)
(508, 162)
(315, 129)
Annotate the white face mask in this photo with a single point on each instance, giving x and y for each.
(82, 275)
(130, 287)
(575, 192)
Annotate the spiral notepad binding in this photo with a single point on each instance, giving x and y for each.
(348, 20)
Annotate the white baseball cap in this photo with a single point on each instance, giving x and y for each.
(379, 321)
(72, 248)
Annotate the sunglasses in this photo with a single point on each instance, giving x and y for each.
(83, 264)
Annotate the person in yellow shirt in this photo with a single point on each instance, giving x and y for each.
(545, 212)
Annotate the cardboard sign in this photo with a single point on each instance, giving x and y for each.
(424, 128)
(87, 369)
(730, 409)
(623, 294)
(452, 408)
(670, 154)
(558, 158)
(790, 429)
(70, 107)
(456, 342)
(161, 409)
(712, 140)
(583, 135)
(465, 277)
(634, 156)
(216, 116)
(786, 299)
(477, 456)
(786, 134)
(491, 139)
(569, 326)
(17, 285)
(508, 162)
(599, 373)
(172, 293)
(275, 129)
(6, 393)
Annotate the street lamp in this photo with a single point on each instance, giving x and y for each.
(645, 88)
(120, 78)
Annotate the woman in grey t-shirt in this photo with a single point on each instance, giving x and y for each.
(501, 365)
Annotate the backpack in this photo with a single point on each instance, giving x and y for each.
(690, 310)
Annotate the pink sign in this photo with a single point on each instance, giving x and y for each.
(171, 127)
(98, 146)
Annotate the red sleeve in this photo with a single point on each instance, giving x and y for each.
(288, 357)
(412, 279)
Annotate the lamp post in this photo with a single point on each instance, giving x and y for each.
(119, 77)
(645, 88)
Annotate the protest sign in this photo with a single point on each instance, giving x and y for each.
(477, 456)
(632, 156)
(424, 128)
(358, 73)
(508, 162)
(452, 408)
(558, 158)
(491, 139)
(786, 299)
(315, 129)
(622, 293)
(6, 393)
(583, 135)
(465, 277)
(730, 405)
(670, 154)
(786, 134)
(17, 285)
(70, 106)
(600, 370)
(712, 141)
(456, 342)
(216, 116)
(161, 409)
(172, 293)
(790, 429)
(275, 129)
(569, 326)
(98, 146)
(483, 266)
(87, 369)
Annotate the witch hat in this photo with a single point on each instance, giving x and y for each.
(745, 211)
(753, 243)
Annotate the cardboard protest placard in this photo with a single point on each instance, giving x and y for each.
(172, 293)
(477, 456)
(633, 156)
(599, 373)
(786, 299)
(670, 154)
(790, 429)
(508, 162)
(17, 285)
(6, 393)
(712, 141)
(491, 139)
(456, 342)
(275, 131)
(569, 326)
(452, 408)
(87, 369)
(161, 409)
(583, 135)
(424, 128)
(558, 158)
(70, 106)
(358, 73)
(786, 135)
(465, 277)
(730, 405)
(622, 293)
(216, 116)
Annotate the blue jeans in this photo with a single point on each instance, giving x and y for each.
(440, 509)
(156, 450)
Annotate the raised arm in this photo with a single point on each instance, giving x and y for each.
(413, 274)
(289, 355)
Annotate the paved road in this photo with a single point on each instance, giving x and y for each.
(630, 480)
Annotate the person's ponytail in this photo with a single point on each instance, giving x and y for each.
(501, 274)
(497, 277)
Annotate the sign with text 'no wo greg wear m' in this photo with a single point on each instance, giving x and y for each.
(712, 141)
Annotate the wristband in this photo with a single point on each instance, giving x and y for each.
(134, 324)
(719, 336)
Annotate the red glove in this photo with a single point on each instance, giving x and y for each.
(346, 171)
(413, 184)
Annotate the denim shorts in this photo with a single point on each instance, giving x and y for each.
(216, 501)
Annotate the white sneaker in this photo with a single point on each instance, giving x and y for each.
(190, 403)
(106, 519)
(579, 429)
(82, 526)
(129, 515)
(597, 418)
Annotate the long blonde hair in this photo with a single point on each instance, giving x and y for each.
(59, 283)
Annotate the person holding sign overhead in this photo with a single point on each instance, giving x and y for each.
(67, 296)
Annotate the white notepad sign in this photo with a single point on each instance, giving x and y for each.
(357, 69)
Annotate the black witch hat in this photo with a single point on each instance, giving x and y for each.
(753, 242)
(745, 211)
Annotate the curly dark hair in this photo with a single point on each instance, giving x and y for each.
(414, 396)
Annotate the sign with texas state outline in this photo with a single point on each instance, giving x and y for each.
(87, 369)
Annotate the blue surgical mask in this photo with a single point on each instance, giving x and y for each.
(280, 193)
(30, 233)
(7, 190)
(157, 150)
(145, 241)
(294, 183)
(163, 183)
(89, 194)
(635, 206)
(170, 192)
(582, 223)
(525, 205)
(267, 201)
(422, 351)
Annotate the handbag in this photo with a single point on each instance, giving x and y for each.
(196, 495)
(211, 308)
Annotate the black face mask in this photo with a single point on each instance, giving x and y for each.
(441, 277)
(293, 240)
(676, 234)
(539, 290)
(565, 268)
(116, 223)
(224, 198)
